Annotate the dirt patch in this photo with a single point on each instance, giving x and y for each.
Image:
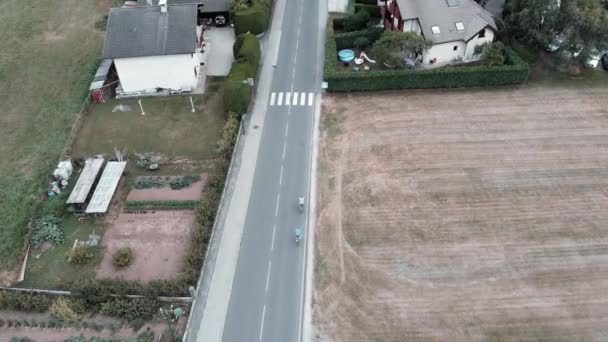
(191, 193)
(463, 216)
(159, 239)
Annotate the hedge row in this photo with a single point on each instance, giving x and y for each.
(366, 2)
(514, 72)
(159, 205)
(253, 19)
(373, 10)
(346, 40)
(237, 93)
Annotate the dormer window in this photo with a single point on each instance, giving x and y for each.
(435, 30)
(482, 33)
(459, 26)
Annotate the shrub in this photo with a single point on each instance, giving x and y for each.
(19, 301)
(361, 43)
(253, 19)
(61, 308)
(493, 54)
(357, 21)
(21, 339)
(123, 257)
(249, 52)
(347, 40)
(226, 143)
(177, 183)
(130, 309)
(81, 254)
(136, 324)
(373, 10)
(90, 293)
(46, 228)
(237, 93)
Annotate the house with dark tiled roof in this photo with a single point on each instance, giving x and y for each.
(154, 48)
(455, 27)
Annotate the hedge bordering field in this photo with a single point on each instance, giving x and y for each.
(237, 93)
(515, 72)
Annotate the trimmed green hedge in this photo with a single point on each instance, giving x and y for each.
(346, 40)
(159, 205)
(366, 2)
(515, 72)
(237, 93)
(373, 10)
(253, 19)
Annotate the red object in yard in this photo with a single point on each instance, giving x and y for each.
(97, 96)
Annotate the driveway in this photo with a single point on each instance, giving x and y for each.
(219, 42)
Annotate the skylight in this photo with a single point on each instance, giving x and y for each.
(459, 26)
(435, 30)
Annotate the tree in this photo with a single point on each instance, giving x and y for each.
(493, 54)
(357, 21)
(393, 47)
(585, 27)
(534, 22)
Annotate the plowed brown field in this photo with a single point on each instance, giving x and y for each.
(463, 215)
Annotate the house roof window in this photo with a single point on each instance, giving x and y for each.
(459, 26)
(435, 30)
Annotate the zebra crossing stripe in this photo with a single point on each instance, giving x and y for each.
(280, 102)
(310, 99)
(303, 99)
(272, 98)
(288, 99)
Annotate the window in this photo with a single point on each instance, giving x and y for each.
(459, 26)
(435, 30)
(482, 33)
(455, 47)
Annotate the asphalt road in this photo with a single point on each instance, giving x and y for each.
(266, 302)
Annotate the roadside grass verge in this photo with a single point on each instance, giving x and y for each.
(49, 53)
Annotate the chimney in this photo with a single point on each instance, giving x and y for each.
(163, 6)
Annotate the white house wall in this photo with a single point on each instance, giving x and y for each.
(145, 74)
(445, 52)
(475, 41)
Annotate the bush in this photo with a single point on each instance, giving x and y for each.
(493, 54)
(46, 228)
(348, 40)
(20, 301)
(130, 309)
(237, 93)
(81, 254)
(226, 143)
(373, 10)
(249, 52)
(21, 339)
(357, 21)
(253, 19)
(361, 43)
(62, 308)
(136, 324)
(123, 257)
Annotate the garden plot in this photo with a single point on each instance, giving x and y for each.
(463, 216)
(159, 241)
(191, 192)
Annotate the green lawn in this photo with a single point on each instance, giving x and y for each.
(169, 127)
(49, 50)
(49, 269)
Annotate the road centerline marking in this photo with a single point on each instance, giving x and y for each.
(287, 128)
(262, 324)
(281, 176)
(284, 149)
(276, 211)
(274, 230)
(268, 275)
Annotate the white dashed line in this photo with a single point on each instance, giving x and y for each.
(262, 324)
(268, 276)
